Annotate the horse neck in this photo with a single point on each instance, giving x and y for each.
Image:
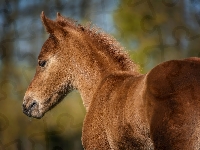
(92, 66)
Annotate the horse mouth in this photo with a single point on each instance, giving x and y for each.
(32, 110)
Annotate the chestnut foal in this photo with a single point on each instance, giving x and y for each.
(125, 109)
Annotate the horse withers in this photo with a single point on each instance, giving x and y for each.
(125, 109)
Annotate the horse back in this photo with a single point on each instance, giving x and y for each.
(173, 101)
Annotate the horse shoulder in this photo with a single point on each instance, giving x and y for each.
(95, 128)
(108, 118)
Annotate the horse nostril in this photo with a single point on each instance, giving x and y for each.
(32, 105)
(28, 109)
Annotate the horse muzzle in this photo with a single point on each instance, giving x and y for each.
(31, 108)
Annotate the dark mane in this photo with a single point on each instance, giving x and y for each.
(113, 47)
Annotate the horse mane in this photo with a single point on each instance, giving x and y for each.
(104, 40)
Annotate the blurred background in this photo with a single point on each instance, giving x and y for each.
(151, 31)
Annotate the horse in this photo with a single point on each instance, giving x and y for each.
(124, 108)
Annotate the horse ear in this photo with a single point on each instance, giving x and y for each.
(52, 27)
(59, 17)
(65, 22)
(62, 20)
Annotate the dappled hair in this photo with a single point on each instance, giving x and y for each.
(112, 46)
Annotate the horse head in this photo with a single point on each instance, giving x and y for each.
(54, 74)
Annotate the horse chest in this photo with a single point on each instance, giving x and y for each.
(106, 127)
(121, 132)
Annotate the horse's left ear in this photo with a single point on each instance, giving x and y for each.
(52, 27)
(64, 22)
(59, 17)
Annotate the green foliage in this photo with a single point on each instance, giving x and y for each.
(156, 31)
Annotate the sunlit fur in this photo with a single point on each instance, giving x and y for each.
(125, 110)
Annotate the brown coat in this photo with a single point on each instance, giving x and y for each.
(160, 109)
(125, 110)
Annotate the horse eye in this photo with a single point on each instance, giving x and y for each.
(42, 63)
